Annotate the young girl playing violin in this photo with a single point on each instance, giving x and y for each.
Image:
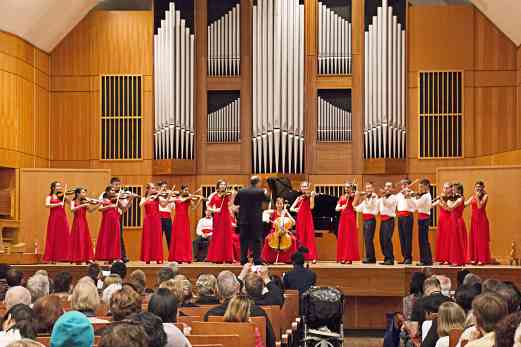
(479, 238)
(281, 216)
(81, 244)
(108, 245)
(305, 227)
(457, 237)
(444, 224)
(221, 246)
(151, 238)
(58, 237)
(347, 249)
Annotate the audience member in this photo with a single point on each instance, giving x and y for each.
(153, 325)
(85, 298)
(415, 292)
(489, 309)
(261, 289)
(38, 286)
(432, 292)
(14, 277)
(124, 303)
(472, 280)
(506, 328)
(510, 296)
(25, 343)
(72, 329)
(94, 271)
(111, 279)
(182, 290)
(139, 280)
(109, 291)
(124, 334)
(491, 285)
(63, 284)
(238, 310)
(429, 327)
(174, 266)
(450, 316)
(18, 323)
(299, 278)
(165, 274)
(119, 268)
(464, 296)
(517, 337)
(47, 310)
(445, 284)
(460, 276)
(17, 295)
(206, 286)
(4, 268)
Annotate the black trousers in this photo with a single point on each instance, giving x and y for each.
(369, 229)
(425, 246)
(200, 248)
(122, 241)
(386, 239)
(251, 236)
(166, 226)
(405, 230)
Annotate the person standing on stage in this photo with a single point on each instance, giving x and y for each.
(305, 227)
(249, 200)
(81, 243)
(405, 207)
(457, 240)
(367, 204)
(151, 238)
(108, 244)
(166, 204)
(347, 238)
(181, 244)
(387, 208)
(270, 255)
(479, 238)
(423, 204)
(204, 231)
(58, 235)
(221, 247)
(444, 224)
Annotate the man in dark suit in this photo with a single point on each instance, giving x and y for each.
(249, 200)
(299, 278)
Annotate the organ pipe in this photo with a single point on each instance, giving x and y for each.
(223, 44)
(224, 123)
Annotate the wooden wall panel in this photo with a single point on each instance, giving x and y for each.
(72, 56)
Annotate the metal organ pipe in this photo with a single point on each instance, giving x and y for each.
(224, 123)
(223, 44)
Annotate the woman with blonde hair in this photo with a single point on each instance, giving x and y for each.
(450, 316)
(238, 311)
(182, 290)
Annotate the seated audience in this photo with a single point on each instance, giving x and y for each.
(153, 325)
(429, 327)
(506, 328)
(445, 284)
(165, 274)
(489, 309)
(174, 266)
(47, 310)
(139, 280)
(18, 323)
(85, 298)
(119, 268)
(491, 285)
(4, 268)
(460, 276)
(107, 292)
(25, 343)
(17, 295)
(206, 286)
(450, 317)
(415, 292)
(182, 290)
(124, 334)
(94, 272)
(63, 285)
(111, 279)
(261, 289)
(14, 278)
(472, 280)
(299, 278)
(239, 311)
(511, 298)
(38, 286)
(228, 286)
(72, 329)
(163, 304)
(124, 303)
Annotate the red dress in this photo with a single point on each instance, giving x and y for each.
(442, 236)
(181, 241)
(457, 237)
(152, 236)
(306, 229)
(479, 238)
(108, 243)
(269, 255)
(58, 236)
(81, 244)
(221, 245)
(347, 240)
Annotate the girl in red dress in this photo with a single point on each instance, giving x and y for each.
(305, 227)
(479, 238)
(269, 255)
(152, 236)
(108, 244)
(81, 244)
(458, 234)
(444, 225)
(221, 246)
(58, 236)
(347, 242)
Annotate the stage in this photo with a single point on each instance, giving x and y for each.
(371, 290)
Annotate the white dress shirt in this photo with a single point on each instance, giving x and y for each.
(368, 206)
(424, 204)
(204, 224)
(404, 204)
(387, 206)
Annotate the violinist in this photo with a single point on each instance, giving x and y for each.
(81, 243)
(108, 244)
(123, 205)
(405, 207)
(457, 240)
(280, 244)
(166, 204)
(387, 209)
(479, 238)
(347, 237)
(444, 224)
(221, 247)
(58, 236)
(305, 227)
(367, 203)
(423, 205)
(181, 245)
(151, 237)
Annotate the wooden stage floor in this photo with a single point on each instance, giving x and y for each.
(371, 290)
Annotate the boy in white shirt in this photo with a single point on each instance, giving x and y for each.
(405, 207)
(367, 205)
(423, 205)
(387, 208)
(204, 232)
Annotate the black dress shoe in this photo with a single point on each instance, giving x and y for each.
(423, 264)
(387, 262)
(407, 261)
(365, 261)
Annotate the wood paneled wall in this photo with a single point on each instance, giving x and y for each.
(24, 104)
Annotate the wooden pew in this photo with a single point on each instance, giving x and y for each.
(195, 311)
(290, 308)
(274, 315)
(188, 320)
(206, 345)
(245, 331)
(260, 323)
(224, 340)
(102, 310)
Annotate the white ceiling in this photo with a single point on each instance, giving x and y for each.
(44, 23)
(505, 14)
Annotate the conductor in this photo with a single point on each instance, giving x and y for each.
(249, 200)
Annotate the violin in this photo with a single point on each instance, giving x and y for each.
(481, 194)
(91, 201)
(126, 194)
